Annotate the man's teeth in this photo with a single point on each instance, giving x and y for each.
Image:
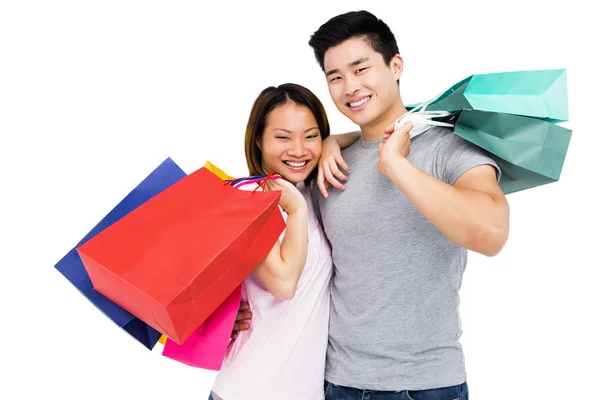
(360, 102)
(296, 164)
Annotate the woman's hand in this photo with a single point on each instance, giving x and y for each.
(291, 199)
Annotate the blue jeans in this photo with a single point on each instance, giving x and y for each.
(335, 392)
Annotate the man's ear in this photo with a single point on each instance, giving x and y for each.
(397, 65)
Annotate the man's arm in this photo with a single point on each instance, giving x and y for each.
(473, 212)
(331, 156)
(345, 139)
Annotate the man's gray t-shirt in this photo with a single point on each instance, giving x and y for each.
(395, 321)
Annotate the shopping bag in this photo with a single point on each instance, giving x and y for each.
(207, 346)
(172, 261)
(71, 267)
(529, 151)
(537, 93)
(218, 172)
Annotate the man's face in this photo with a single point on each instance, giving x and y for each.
(362, 86)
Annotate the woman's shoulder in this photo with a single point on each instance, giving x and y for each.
(313, 221)
(250, 187)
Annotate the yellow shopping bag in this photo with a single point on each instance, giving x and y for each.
(217, 171)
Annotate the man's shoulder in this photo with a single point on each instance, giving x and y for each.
(356, 146)
(442, 139)
(438, 133)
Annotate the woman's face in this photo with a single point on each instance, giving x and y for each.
(291, 142)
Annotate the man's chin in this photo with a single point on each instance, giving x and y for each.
(359, 118)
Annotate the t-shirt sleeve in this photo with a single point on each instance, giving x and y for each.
(453, 156)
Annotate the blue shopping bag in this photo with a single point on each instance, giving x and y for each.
(165, 175)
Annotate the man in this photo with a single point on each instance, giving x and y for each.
(400, 228)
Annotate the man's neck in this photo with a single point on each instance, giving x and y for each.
(375, 130)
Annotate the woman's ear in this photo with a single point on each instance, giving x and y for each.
(259, 143)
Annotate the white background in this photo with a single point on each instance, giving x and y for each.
(94, 95)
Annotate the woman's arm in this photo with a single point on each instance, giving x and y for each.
(281, 270)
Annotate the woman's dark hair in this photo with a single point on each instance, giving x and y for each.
(269, 99)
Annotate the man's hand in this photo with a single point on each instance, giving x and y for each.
(395, 147)
(329, 173)
(244, 314)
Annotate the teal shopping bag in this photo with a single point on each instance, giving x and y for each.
(538, 93)
(529, 151)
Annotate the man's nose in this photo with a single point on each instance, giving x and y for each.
(351, 85)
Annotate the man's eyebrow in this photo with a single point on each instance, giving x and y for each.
(359, 61)
(352, 64)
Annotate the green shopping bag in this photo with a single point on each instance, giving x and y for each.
(538, 93)
(529, 151)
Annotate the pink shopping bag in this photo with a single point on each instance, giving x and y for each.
(206, 347)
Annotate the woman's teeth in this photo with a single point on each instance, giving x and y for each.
(296, 164)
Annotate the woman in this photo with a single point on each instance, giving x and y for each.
(282, 354)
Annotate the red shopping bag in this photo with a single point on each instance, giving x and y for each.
(172, 261)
